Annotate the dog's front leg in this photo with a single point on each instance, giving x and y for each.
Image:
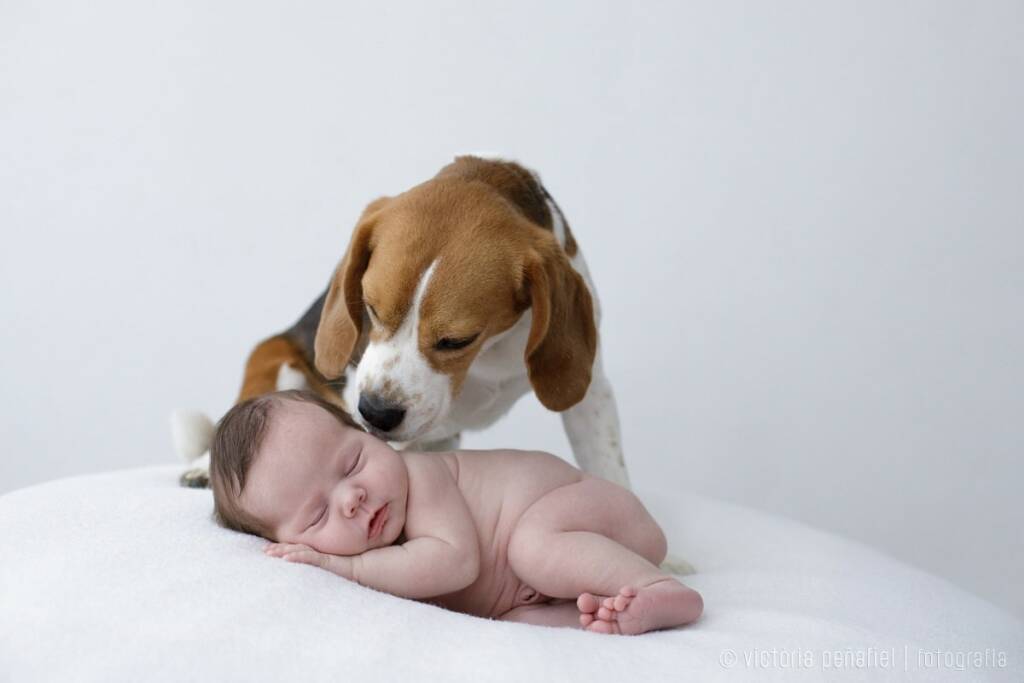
(199, 476)
(592, 426)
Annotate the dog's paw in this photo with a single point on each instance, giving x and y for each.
(678, 566)
(196, 478)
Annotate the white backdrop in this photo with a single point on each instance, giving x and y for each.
(804, 221)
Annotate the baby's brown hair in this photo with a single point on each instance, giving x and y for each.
(238, 437)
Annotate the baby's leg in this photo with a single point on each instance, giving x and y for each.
(595, 542)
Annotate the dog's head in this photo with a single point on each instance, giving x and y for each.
(430, 275)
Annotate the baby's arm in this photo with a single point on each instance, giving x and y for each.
(442, 554)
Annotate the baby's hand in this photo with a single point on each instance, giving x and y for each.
(297, 552)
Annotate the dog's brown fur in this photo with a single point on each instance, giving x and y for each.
(488, 219)
(483, 217)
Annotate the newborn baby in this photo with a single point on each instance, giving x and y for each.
(513, 535)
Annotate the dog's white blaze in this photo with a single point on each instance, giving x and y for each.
(397, 368)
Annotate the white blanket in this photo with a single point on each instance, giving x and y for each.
(125, 577)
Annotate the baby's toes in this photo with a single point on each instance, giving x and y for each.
(621, 602)
(586, 620)
(605, 614)
(587, 603)
(602, 627)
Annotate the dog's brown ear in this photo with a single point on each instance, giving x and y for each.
(342, 317)
(563, 339)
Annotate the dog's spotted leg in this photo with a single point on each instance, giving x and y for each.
(592, 426)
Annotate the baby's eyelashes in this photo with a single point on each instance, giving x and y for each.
(319, 518)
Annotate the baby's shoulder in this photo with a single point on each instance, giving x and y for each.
(431, 466)
(511, 456)
(510, 465)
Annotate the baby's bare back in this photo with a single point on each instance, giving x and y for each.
(498, 486)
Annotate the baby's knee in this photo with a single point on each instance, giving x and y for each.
(651, 536)
(525, 549)
(658, 543)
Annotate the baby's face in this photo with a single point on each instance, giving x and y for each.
(318, 482)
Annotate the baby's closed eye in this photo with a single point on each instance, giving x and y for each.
(322, 516)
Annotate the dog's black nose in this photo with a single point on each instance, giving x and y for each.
(379, 413)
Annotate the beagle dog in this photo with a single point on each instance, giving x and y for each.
(453, 300)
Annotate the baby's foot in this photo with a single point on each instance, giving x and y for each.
(662, 604)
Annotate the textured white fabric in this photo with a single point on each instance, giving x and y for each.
(125, 577)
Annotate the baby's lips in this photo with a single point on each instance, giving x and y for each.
(382, 512)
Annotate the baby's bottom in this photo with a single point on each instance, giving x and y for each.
(594, 548)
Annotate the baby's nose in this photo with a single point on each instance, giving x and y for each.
(355, 498)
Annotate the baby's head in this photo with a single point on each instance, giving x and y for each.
(294, 468)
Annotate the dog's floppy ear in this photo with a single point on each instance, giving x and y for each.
(342, 317)
(563, 339)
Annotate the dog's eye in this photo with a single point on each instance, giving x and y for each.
(449, 344)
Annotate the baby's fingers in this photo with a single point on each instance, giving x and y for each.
(280, 549)
(306, 556)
